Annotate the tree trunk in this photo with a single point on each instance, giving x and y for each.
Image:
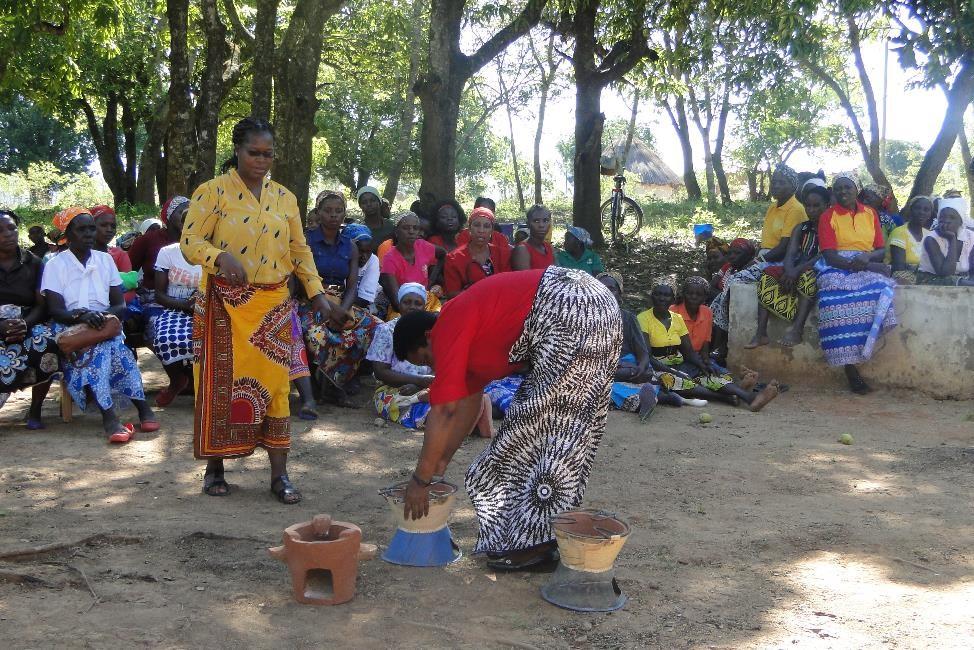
(551, 66)
(752, 185)
(211, 95)
(263, 61)
(105, 139)
(408, 114)
(682, 128)
(718, 155)
(130, 123)
(181, 141)
(295, 103)
(162, 190)
(631, 131)
(441, 88)
(965, 154)
(505, 95)
(958, 99)
(589, 121)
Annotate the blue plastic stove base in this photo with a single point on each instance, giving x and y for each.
(422, 549)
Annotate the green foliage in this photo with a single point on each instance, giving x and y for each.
(29, 135)
(935, 37)
(42, 185)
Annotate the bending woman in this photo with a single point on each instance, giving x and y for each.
(538, 464)
(245, 231)
(855, 292)
(82, 286)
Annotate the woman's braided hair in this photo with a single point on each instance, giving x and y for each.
(241, 131)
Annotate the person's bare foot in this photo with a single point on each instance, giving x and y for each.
(791, 338)
(757, 342)
(749, 380)
(765, 396)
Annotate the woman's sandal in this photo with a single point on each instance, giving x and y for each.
(169, 393)
(538, 562)
(286, 493)
(148, 426)
(125, 433)
(859, 386)
(307, 413)
(214, 485)
(35, 424)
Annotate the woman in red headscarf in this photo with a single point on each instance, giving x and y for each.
(146, 248)
(480, 258)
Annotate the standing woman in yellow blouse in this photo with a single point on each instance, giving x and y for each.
(245, 231)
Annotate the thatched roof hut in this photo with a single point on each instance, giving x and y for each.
(642, 161)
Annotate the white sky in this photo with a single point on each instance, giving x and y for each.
(913, 114)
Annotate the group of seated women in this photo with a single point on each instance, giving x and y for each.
(842, 249)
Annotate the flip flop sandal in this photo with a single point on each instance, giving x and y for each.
(123, 435)
(535, 563)
(148, 426)
(285, 490)
(211, 481)
(307, 413)
(34, 424)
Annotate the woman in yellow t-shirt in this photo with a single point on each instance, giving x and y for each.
(906, 241)
(680, 368)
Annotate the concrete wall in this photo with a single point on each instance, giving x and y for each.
(932, 348)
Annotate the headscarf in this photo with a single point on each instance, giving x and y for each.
(614, 275)
(169, 209)
(64, 217)
(330, 194)
(358, 232)
(788, 173)
(696, 281)
(849, 176)
(878, 190)
(402, 215)
(958, 203)
(368, 189)
(411, 287)
(148, 223)
(581, 235)
(125, 241)
(742, 244)
(482, 212)
(99, 210)
(814, 180)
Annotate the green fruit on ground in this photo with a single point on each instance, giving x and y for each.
(846, 439)
(706, 418)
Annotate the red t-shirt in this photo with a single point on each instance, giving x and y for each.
(461, 270)
(540, 260)
(143, 254)
(474, 334)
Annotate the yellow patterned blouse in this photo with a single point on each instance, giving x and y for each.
(264, 235)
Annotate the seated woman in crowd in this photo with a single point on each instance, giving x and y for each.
(855, 292)
(170, 329)
(146, 247)
(412, 259)
(368, 264)
(788, 290)
(478, 259)
(375, 216)
(38, 238)
(881, 199)
(448, 220)
(681, 368)
(905, 243)
(782, 215)
(27, 343)
(338, 346)
(741, 268)
(578, 253)
(635, 387)
(948, 251)
(107, 225)
(535, 252)
(402, 395)
(82, 286)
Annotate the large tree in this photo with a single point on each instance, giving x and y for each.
(449, 69)
(596, 65)
(29, 134)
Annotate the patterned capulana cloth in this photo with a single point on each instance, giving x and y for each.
(172, 336)
(108, 369)
(538, 464)
(33, 361)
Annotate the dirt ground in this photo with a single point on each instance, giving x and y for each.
(754, 531)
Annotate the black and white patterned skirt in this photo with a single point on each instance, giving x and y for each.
(538, 464)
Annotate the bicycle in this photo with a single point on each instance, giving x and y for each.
(621, 216)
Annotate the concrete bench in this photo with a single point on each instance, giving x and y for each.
(931, 350)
